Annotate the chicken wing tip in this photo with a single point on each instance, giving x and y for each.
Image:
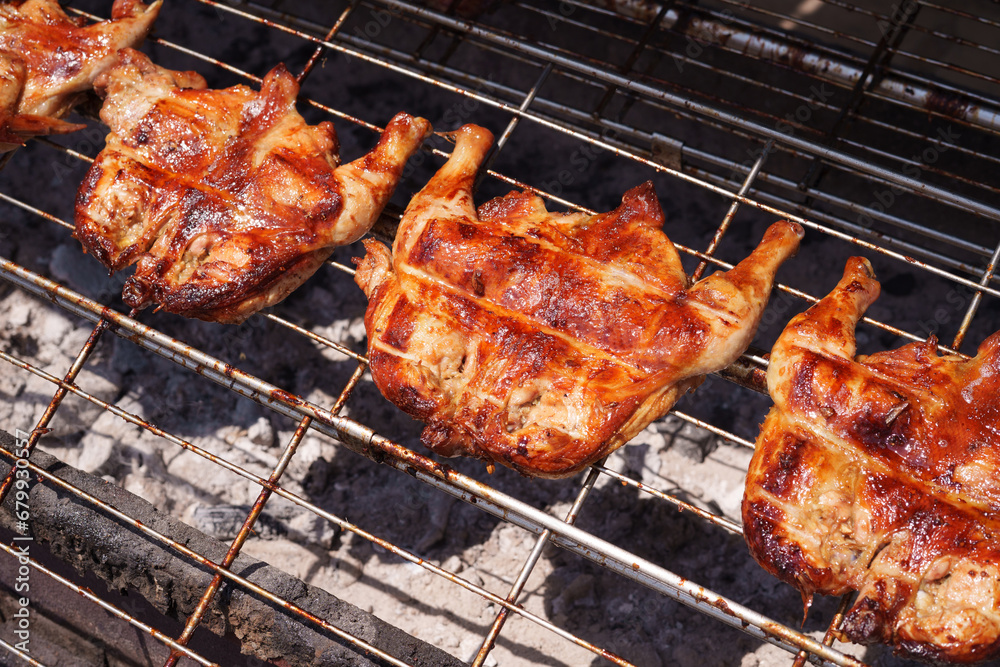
(409, 125)
(374, 267)
(784, 229)
(135, 8)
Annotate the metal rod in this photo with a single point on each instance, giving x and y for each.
(831, 630)
(977, 297)
(903, 83)
(20, 654)
(512, 124)
(528, 567)
(314, 58)
(681, 505)
(731, 213)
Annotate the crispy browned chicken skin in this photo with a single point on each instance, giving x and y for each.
(540, 340)
(63, 56)
(226, 200)
(879, 474)
(15, 127)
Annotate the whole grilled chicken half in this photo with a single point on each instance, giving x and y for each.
(226, 200)
(879, 474)
(63, 56)
(545, 341)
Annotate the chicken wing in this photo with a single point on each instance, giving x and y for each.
(62, 56)
(226, 200)
(545, 341)
(16, 128)
(879, 474)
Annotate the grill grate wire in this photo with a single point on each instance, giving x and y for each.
(756, 188)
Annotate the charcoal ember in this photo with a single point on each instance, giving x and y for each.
(277, 521)
(76, 270)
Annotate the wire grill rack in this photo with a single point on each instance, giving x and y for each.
(871, 125)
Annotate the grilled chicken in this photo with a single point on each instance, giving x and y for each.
(63, 56)
(226, 200)
(545, 341)
(16, 128)
(879, 474)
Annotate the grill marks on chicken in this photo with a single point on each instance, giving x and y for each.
(61, 56)
(879, 474)
(226, 200)
(540, 340)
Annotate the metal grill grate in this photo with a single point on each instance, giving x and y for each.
(871, 125)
